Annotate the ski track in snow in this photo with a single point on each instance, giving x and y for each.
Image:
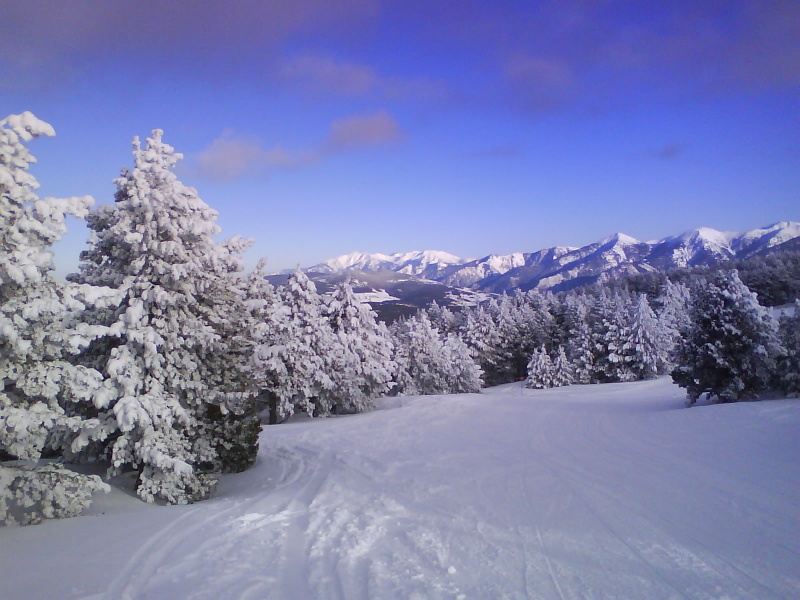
(581, 492)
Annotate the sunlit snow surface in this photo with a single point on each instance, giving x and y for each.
(612, 491)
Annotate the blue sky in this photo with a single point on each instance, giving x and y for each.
(321, 127)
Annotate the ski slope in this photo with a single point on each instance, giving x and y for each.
(607, 491)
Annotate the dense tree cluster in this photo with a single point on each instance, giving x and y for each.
(159, 356)
(156, 357)
(774, 277)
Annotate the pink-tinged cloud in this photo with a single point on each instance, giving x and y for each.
(364, 130)
(230, 156)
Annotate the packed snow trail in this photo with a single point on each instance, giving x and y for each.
(612, 491)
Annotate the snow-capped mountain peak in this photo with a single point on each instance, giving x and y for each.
(619, 239)
(425, 263)
(560, 268)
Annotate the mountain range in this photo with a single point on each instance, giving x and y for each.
(562, 267)
(397, 284)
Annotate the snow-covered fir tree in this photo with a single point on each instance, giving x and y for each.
(611, 332)
(673, 315)
(788, 374)
(363, 369)
(644, 347)
(427, 364)
(540, 370)
(443, 319)
(464, 374)
(167, 357)
(730, 347)
(563, 373)
(531, 325)
(479, 333)
(297, 352)
(40, 387)
(578, 334)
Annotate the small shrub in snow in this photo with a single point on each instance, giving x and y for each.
(29, 493)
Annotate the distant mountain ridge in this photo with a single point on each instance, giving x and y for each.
(560, 268)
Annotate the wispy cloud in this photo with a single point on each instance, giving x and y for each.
(363, 130)
(325, 74)
(329, 75)
(42, 40)
(232, 156)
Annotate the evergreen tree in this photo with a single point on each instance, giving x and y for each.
(39, 333)
(422, 363)
(610, 334)
(644, 347)
(789, 366)
(167, 357)
(730, 346)
(579, 345)
(464, 375)
(363, 370)
(673, 316)
(540, 370)
(443, 319)
(480, 334)
(563, 373)
(297, 352)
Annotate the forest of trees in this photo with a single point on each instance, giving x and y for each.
(160, 356)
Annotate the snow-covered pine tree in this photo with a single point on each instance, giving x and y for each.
(297, 352)
(612, 327)
(540, 370)
(534, 326)
(39, 333)
(363, 370)
(235, 424)
(579, 345)
(789, 364)
(167, 355)
(563, 373)
(464, 375)
(422, 367)
(730, 346)
(479, 333)
(443, 319)
(673, 316)
(644, 347)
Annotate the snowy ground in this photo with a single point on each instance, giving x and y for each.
(613, 491)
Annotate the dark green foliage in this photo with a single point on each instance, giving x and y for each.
(728, 350)
(789, 362)
(235, 439)
(774, 277)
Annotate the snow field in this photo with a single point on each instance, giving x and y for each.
(602, 491)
